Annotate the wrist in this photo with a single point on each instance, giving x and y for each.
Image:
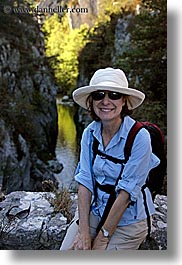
(85, 229)
(105, 232)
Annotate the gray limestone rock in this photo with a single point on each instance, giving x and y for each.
(28, 222)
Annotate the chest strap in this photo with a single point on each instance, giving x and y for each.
(106, 188)
(110, 189)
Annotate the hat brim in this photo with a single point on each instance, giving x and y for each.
(134, 97)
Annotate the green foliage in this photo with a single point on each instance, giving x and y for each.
(98, 52)
(100, 48)
(153, 111)
(107, 8)
(146, 58)
(62, 47)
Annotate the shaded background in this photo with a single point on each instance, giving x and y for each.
(44, 56)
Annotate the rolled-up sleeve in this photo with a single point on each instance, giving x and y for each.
(84, 175)
(138, 166)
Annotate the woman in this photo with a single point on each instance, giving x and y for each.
(109, 101)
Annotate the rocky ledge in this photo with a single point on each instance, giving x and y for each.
(28, 221)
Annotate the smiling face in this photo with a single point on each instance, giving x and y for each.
(108, 109)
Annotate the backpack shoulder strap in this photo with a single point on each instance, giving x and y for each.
(131, 137)
(128, 146)
(96, 151)
(95, 146)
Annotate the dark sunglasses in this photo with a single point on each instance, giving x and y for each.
(99, 95)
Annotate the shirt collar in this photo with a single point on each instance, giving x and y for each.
(127, 123)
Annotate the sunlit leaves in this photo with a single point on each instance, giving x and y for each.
(63, 46)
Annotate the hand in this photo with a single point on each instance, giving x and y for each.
(100, 242)
(81, 242)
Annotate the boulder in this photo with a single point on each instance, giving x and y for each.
(158, 240)
(29, 221)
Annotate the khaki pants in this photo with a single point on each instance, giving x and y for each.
(125, 237)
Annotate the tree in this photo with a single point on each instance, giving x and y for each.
(62, 48)
(147, 54)
(146, 58)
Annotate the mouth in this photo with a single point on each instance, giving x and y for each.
(106, 110)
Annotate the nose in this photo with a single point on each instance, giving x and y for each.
(105, 100)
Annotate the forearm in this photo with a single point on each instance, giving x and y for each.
(116, 212)
(83, 239)
(84, 200)
(112, 220)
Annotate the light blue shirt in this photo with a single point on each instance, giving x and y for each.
(134, 175)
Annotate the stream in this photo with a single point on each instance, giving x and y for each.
(67, 145)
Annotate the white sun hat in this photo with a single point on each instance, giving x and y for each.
(109, 79)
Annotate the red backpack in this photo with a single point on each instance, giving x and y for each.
(156, 175)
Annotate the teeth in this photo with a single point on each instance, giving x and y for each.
(106, 110)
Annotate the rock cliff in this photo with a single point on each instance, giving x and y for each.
(28, 114)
